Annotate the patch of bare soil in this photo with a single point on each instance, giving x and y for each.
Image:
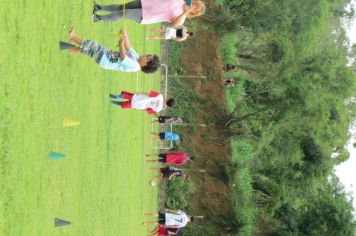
(213, 196)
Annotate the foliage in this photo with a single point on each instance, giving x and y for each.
(175, 194)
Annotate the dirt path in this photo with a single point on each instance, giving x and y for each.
(213, 193)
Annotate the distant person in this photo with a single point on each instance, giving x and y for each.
(178, 34)
(150, 11)
(126, 59)
(169, 172)
(152, 102)
(169, 120)
(229, 83)
(229, 67)
(170, 218)
(177, 158)
(169, 136)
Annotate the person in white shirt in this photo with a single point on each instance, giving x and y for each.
(152, 102)
(170, 218)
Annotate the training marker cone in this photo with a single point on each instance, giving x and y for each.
(56, 155)
(59, 222)
(64, 45)
(68, 122)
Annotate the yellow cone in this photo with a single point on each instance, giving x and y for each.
(68, 122)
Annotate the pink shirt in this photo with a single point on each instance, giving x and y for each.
(155, 11)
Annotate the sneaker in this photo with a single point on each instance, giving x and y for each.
(96, 8)
(112, 95)
(96, 17)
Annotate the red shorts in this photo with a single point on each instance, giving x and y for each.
(128, 96)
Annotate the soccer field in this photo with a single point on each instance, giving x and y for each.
(101, 186)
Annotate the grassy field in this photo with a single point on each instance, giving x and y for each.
(101, 186)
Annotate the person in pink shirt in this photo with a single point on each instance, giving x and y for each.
(177, 158)
(150, 11)
(152, 102)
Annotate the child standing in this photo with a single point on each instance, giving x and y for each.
(152, 102)
(177, 158)
(178, 34)
(169, 120)
(166, 136)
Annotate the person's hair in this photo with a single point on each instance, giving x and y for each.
(171, 102)
(180, 139)
(152, 65)
(183, 119)
(202, 8)
(192, 219)
(191, 158)
(191, 34)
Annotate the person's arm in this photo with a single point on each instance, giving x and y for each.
(170, 211)
(171, 227)
(153, 94)
(179, 20)
(180, 39)
(126, 40)
(122, 49)
(150, 111)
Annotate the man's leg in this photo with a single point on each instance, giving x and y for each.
(117, 7)
(131, 14)
(155, 214)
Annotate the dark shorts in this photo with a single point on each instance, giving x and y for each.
(162, 135)
(161, 218)
(162, 157)
(92, 49)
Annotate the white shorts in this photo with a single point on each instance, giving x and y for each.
(171, 33)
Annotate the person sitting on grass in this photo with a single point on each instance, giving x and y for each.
(126, 59)
(177, 158)
(169, 136)
(169, 172)
(169, 120)
(170, 218)
(152, 102)
(178, 34)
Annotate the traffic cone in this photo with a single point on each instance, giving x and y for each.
(68, 122)
(64, 45)
(59, 222)
(56, 155)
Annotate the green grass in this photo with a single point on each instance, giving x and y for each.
(242, 152)
(101, 186)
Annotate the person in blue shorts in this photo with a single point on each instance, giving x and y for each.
(169, 136)
(126, 59)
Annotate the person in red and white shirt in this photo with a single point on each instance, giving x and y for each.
(152, 102)
(177, 158)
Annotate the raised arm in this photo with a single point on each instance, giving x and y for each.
(179, 20)
(122, 49)
(126, 40)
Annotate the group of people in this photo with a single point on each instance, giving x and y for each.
(126, 59)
